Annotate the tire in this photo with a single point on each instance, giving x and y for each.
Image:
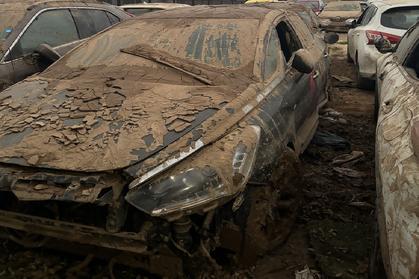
(348, 57)
(363, 83)
(376, 266)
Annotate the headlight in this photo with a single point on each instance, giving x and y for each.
(187, 189)
(202, 181)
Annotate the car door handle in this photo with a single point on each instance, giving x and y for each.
(315, 74)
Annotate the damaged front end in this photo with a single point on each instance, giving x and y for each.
(175, 213)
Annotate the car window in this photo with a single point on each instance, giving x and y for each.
(272, 55)
(90, 22)
(53, 27)
(288, 40)
(369, 14)
(140, 11)
(112, 18)
(400, 18)
(412, 62)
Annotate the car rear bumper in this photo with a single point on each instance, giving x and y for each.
(367, 61)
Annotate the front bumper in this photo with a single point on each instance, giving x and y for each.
(337, 26)
(123, 241)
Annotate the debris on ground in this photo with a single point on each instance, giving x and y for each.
(307, 273)
(351, 158)
(324, 138)
(333, 116)
(349, 172)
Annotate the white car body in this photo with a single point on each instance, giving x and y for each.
(363, 54)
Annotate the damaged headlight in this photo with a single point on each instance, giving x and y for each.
(187, 189)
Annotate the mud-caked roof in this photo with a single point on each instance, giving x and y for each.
(216, 11)
(26, 4)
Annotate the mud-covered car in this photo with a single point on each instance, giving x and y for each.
(178, 145)
(139, 9)
(335, 15)
(34, 33)
(306, 14)
(397, 155)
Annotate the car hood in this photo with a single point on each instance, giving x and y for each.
(340, 14)
(80, 123)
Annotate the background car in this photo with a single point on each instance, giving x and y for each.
(139, 9)
(315, 5)
(306, 14)
(397, 161)
(335, 14)
(61, 25)
(152, 142)
(387, 19)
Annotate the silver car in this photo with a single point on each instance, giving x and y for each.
(35, 33)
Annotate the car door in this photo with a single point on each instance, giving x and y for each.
(289, 103)
(54, 27)
(320, 53)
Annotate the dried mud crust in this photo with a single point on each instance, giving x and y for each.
(334, 230)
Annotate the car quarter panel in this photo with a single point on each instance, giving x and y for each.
(397, 171)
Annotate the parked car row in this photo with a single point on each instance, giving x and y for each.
(382, 19)
(170, 136)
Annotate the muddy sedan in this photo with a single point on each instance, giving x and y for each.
(179, 144)
(397, 151)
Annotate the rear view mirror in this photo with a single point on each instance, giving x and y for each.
(331, 37)
(351, 23)
(383, 45)
(303, 61)
(47, 55)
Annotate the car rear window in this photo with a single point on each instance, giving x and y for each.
(401, 17)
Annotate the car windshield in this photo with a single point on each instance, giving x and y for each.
(342, 6)
(219, 43)
(400, 18)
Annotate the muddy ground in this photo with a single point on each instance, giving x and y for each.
(334, 230)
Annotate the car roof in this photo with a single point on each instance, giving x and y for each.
(216, 11)
(155, 5)
(293, 6)
(27, 4)
(383, 3)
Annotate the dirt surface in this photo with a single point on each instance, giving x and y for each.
(334, 230)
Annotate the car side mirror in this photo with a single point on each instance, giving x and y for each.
(303, 61)
(331, 38)
(46, 54)
(383, 45)
(351, 23)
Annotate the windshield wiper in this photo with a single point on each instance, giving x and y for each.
(163, 58)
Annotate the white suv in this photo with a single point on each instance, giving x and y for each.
(387, 19)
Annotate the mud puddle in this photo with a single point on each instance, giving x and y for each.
(334, 230)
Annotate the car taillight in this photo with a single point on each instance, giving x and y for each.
(373, 35)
